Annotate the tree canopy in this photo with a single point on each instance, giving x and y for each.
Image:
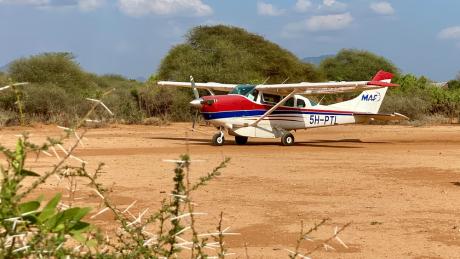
(230, 55)
(352, 65)
(57, 68)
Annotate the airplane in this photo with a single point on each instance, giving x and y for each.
(275, 110)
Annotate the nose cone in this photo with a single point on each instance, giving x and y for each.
(196, 103)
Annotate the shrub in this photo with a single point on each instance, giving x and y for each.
(57, 68)
(232, 55)
(167, 103)
(55, 229)
(355, 65)
(418, 98)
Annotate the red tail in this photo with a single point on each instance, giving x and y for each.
(379, 77)
(382, 75)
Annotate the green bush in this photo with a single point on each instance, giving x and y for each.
(355, 65)
(124, 105)
(419, 98)
(59, 88)
(58, 68)
(232, 55)
(166, 102)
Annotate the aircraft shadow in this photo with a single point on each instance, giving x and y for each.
(313, 143)
(207, 140)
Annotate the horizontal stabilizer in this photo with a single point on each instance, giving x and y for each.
(366, 117)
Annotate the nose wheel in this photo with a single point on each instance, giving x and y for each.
(218, 139)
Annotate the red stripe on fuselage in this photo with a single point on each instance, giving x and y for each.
(233, 102)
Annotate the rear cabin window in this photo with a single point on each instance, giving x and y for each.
(301, 103)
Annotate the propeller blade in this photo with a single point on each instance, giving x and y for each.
(195, 91)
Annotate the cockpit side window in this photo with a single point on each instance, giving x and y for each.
(244, 90)
(289, 102)
(271, 99)
(253, 95)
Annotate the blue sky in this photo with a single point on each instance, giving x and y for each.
(130, 37)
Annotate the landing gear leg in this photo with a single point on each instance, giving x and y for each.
(287, 139)
(218, 139)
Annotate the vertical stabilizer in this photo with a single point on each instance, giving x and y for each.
(368, 101)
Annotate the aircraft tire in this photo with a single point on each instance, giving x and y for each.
(218, 140)
(240, 140)
(287, 139)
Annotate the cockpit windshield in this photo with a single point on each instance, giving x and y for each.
(244, 90)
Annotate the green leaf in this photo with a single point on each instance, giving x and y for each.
(29, 173)
(50, 209)
(67, 219)
(75, 214)
(80, 227)
(79, 237)
(28, 206)
(19, 156)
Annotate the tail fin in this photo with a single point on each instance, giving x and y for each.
(383, 76)
(368, 101)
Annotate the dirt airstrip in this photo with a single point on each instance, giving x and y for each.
(398, 185)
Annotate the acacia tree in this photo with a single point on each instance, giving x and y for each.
(230, 55)
(352, 64)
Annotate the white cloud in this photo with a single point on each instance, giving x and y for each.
(26, 2)
(450, 33)
(383, 8)
(85, 5)
(303, 5)
(268, 9)
(89, 5)
(331, 22)
(164, 7)
(333, 5)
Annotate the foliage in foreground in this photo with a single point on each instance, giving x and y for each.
(55, 228)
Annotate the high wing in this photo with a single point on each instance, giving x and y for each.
(323, 88)
(381, 79)
(207, 86)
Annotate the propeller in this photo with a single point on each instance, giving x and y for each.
(196, 102)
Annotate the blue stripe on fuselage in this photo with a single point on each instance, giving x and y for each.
(248, 113)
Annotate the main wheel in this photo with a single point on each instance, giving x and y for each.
(240, 140)
(287, 139)
(218, 139)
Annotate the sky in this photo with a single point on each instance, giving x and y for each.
(130, 37)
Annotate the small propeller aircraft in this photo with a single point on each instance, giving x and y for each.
(274, 110)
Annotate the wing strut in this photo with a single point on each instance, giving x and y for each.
(274, 107)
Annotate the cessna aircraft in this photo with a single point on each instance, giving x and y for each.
(274, 110)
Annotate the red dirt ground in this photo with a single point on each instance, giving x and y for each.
(398, 185)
